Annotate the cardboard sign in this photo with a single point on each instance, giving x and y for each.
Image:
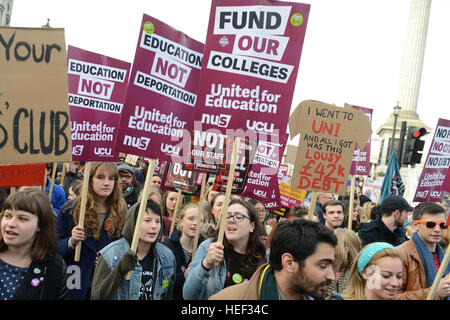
(361, 158)
(161, 95)
(327, 143)
(251, 60)
(97, 87)
(430, 186)
(34, 112)
(22, 175)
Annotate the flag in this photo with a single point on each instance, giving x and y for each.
(392, 183)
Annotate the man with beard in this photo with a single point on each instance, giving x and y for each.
(300, 265)
(130, 191)
(389, 226)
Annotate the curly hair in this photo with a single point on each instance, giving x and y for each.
(115, 203)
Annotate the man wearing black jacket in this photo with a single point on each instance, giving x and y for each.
(130, 191)
(389, 226)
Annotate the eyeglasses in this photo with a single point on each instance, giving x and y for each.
(432, 224)
(237, 217)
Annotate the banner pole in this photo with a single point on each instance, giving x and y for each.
(142, 207)
(350, 205)
(175, 213)
(84, 190)
(223, 214)
(312, 205)
(52, 181)
(200, 213)
(439, 274)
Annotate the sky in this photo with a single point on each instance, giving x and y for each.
(351, 54)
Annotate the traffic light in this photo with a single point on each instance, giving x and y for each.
(413, 145)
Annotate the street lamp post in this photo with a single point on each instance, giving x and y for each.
(396, 111)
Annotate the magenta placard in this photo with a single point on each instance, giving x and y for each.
(361, 158)
(432, 179)
(251, 60)
(97, 88)
(162, 92)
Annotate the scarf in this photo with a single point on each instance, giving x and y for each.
(427, 258)
(268, 286)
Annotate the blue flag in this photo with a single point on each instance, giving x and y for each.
(392, 183)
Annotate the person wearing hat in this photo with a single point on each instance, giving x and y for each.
(389, 226)
(130, 191)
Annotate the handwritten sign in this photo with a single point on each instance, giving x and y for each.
(34, 112)
(327, 142)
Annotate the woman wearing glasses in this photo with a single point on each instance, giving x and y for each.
(422, 254)
(216, 265)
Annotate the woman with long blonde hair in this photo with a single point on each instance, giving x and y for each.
(104, 217)
(346, 252)
(377, 273)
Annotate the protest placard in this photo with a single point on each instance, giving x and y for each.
(361, 158)
(22, 175)
(372, 189)
(251, 60)
(97, 88)
(34, 113)
(327, 143)
(431, 182)
(162, 93)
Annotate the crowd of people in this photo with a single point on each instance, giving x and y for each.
(392, 250)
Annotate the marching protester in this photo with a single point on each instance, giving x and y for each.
(30, 269)
(422, 254)
(71, 176)
(333, 213)
(348, 247)
(181, 242)
(104, 218)
(376, 274)
(389, 226)
(216, 266)
(215, 206)
(322, 197)
(156, 181)
(356, 214)
(299, 268)
(74, 190)
(152, 267)
(365, 211)
(168, 204)
(129, 189)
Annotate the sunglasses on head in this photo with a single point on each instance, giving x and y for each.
(432, 224)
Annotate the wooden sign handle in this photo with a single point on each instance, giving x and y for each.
(440, 273)
(84, 190)
(350, 205)
(312, 205)
(142, 207)
(175, 213)
(223, 213)
(52, 181)
(200, 213)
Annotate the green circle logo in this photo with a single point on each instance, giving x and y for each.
(297, 19)
(165, 283)
(149, 27)
(237, 278)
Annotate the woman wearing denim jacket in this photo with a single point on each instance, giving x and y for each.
(241, 253)
(152, 267)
